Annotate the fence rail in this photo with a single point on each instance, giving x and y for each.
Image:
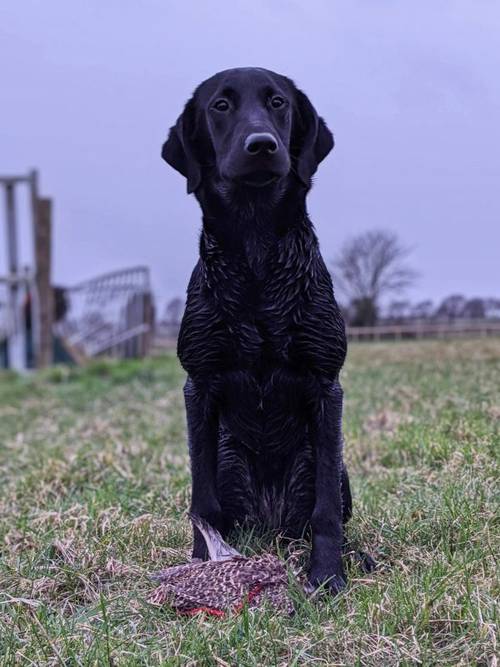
(419, 330)
(162, 342)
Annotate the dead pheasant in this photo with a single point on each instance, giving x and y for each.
(225, 583)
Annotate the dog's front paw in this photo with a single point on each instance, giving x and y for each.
(333, 581)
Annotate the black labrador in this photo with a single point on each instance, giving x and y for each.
(262, 339)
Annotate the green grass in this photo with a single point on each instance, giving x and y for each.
(94, 487)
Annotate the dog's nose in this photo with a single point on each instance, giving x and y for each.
(261, 142)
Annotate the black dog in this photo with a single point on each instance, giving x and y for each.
(262, 338)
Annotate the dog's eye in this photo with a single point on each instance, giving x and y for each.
(277, 101)
(221, 105)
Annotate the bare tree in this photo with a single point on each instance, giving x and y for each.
(423, 310)
(475, 309)
(451, 308)
(369, 267)
(398, 311)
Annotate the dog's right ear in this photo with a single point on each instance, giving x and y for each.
(178, 149)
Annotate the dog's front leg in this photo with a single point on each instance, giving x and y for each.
(326, 521)
(202, 423)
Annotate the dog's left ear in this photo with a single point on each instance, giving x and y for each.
(178, 150)
(313, 138)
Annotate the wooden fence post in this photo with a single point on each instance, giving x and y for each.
(148, 318)
(44, 294)
(17, 342)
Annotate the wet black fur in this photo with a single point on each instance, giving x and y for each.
(262, 341)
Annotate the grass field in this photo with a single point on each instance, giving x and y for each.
(94, 487)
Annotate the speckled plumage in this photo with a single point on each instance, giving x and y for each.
(223, 586)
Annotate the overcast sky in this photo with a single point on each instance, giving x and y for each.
(410, 89)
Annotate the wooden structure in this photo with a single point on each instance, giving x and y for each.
(164, 343)
(426, 329)
(27, 288)
(112, 315)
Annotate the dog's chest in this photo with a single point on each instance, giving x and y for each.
(261, 313)
(277, 310)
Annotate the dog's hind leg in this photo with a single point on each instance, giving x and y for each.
(235, 487)
(345, 488)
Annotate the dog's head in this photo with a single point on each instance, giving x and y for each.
(248, 127)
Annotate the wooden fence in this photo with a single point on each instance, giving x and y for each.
(163, 342)
(419, 330)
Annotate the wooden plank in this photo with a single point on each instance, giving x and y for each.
(148, 315)
(17, 339)
(12, 245)
(428, 329)
(43, 285)
(76, 353)
(13, 180)
(35, 312)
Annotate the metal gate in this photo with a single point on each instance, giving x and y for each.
(111, 314)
